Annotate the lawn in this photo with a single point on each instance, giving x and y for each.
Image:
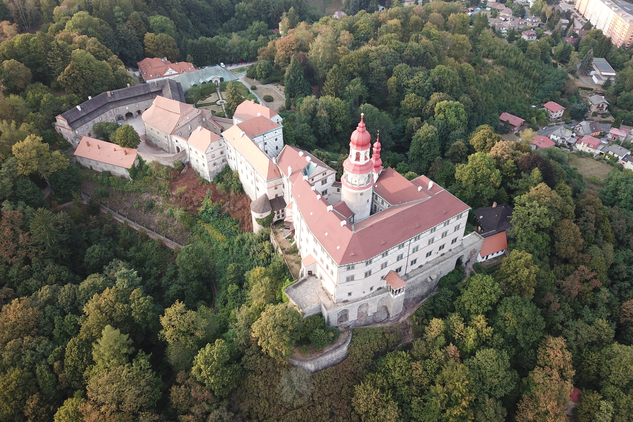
(589, 167)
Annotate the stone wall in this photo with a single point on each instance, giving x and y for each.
(166, 160)
(327, 359)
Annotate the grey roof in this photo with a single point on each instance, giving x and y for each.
(617, 150)
(562, 132)
(261, 205)
(203, 76)
(597, 99)
(589, 127)
(494, 219)
(278, 203)
(602, 65)
(102, 103)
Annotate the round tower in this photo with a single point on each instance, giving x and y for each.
(375, 158)
(357, 181)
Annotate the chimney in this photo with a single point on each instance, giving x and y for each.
(494, 205)
(98, 146)
(259, 114)
(329, 208)
(199, 127)
(430, 184)
(343, 223)
(289, 170)
(318, 197)
(128, 85)
(419, 188)
(125, 152)
(305, 177)
(313, 187)
(79, 108)
(300, 153)
(275, 160)
(89, 97)
(109, 94)
(308, 159)
(87, 143)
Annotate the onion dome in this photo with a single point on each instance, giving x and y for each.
(360, 139)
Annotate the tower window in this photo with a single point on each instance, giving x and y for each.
(358, 156)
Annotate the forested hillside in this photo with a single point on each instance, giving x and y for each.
(98, 322)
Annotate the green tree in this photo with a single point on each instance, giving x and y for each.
(277, 330)
(16, 387)
(161, 45)
(478, 295)
(374, 406)
(295, 84)
(586, 65)
(34, 156)
(127, 137)
(484, 139)
(477, 180)
(517, 274)
(105, 130)
(492, 373)
(453, 114)
(14, 76)
(425, 147)
(112, 349)
(335, 82)
(233, 98)
(211, 367)
(69, 411)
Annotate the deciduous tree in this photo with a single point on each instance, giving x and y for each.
(212, 368)
(277, 329)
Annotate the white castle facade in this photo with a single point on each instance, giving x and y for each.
(369, 244)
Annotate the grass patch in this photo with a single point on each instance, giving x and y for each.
(240, 69)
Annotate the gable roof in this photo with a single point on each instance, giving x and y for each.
(494, 219)
(251, 109)
(297, 160)
(590, 141)
(394, 280)
(257, 126)
(511, 119)
(202, 138)
(350, 243)
(542, 142)
(493, 244)
(106, 152)
(597, 99)
(153, 68)
(553, 107)
(395, 189)
(617, 150)
(168, 115)
(618, 132)
(255, 156)
(95, 107)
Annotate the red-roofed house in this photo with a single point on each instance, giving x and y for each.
(205, 152)
(105, 156)
(155, 69)
(588, 144)
(266, 134)
(515, 123)
(529, 35)
(250, 109)
(541, 142)
(554, 110)
(493, 246)
(617, 134)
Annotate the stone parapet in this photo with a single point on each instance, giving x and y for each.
(330, 358)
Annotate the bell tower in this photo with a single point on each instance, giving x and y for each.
(358, 174)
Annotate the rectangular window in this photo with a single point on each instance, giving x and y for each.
(368, 262)
(350, 267)
(415, 249)
(415, 239)
(457, 227)
(383, 265)
(323, 182)
(414, 261)
(444, 234)
(433, 229)
(398, 269)
(400, 257)
(384, 255)
(349, 278)
(453, 241)
(441, 247)
(446, 223)
(367, 273)
(349, 293)
(431, 240)
(429, 253)
(400, 246)
(371, 289)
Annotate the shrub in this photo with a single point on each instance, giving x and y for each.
(149, 204)
(102, 193)
(319, 339)
(268, 98)
(253, 87)
(310, 324)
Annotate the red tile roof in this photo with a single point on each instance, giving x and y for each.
(308, 260)
(494, 244)
(258, 125)
(394, 280)
(342, 208)
(395, 189)
(154, 68)
(361, 241)
(511, 119)
(543, 142)
(251, 152)
(250, 109)
(590, 141)
(106, 152)
(553, 107)
(297, 160)
(168, 115)
(618, 132)
(202, 138)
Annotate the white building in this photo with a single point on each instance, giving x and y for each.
(105, 156)
(205, 152)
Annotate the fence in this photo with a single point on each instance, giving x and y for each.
(132, 221)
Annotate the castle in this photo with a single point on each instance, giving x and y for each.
(369, 244)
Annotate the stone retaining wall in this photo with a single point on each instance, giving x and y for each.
(166, 160)
(327, 359)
